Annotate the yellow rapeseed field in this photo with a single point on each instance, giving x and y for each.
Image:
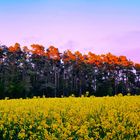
(93, 118)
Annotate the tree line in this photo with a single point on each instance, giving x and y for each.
(36, 71)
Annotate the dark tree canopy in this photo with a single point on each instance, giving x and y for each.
(38, 71)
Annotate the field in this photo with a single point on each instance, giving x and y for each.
(71, 118)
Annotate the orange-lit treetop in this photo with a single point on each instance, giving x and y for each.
(53, 53)
(14, 48)
(90, 58)
(37, 49)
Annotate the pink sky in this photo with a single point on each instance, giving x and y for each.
(77, 25)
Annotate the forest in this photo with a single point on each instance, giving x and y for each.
(40, 71)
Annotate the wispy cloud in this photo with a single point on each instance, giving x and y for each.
(70, 45)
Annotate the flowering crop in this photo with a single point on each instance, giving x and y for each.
(71, 118)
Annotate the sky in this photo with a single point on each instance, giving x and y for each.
(100, 26)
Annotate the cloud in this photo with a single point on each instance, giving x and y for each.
(129, 40)
(128, 44)
(69, 45)
(132, 54)
(31, 39)
(121, 43)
